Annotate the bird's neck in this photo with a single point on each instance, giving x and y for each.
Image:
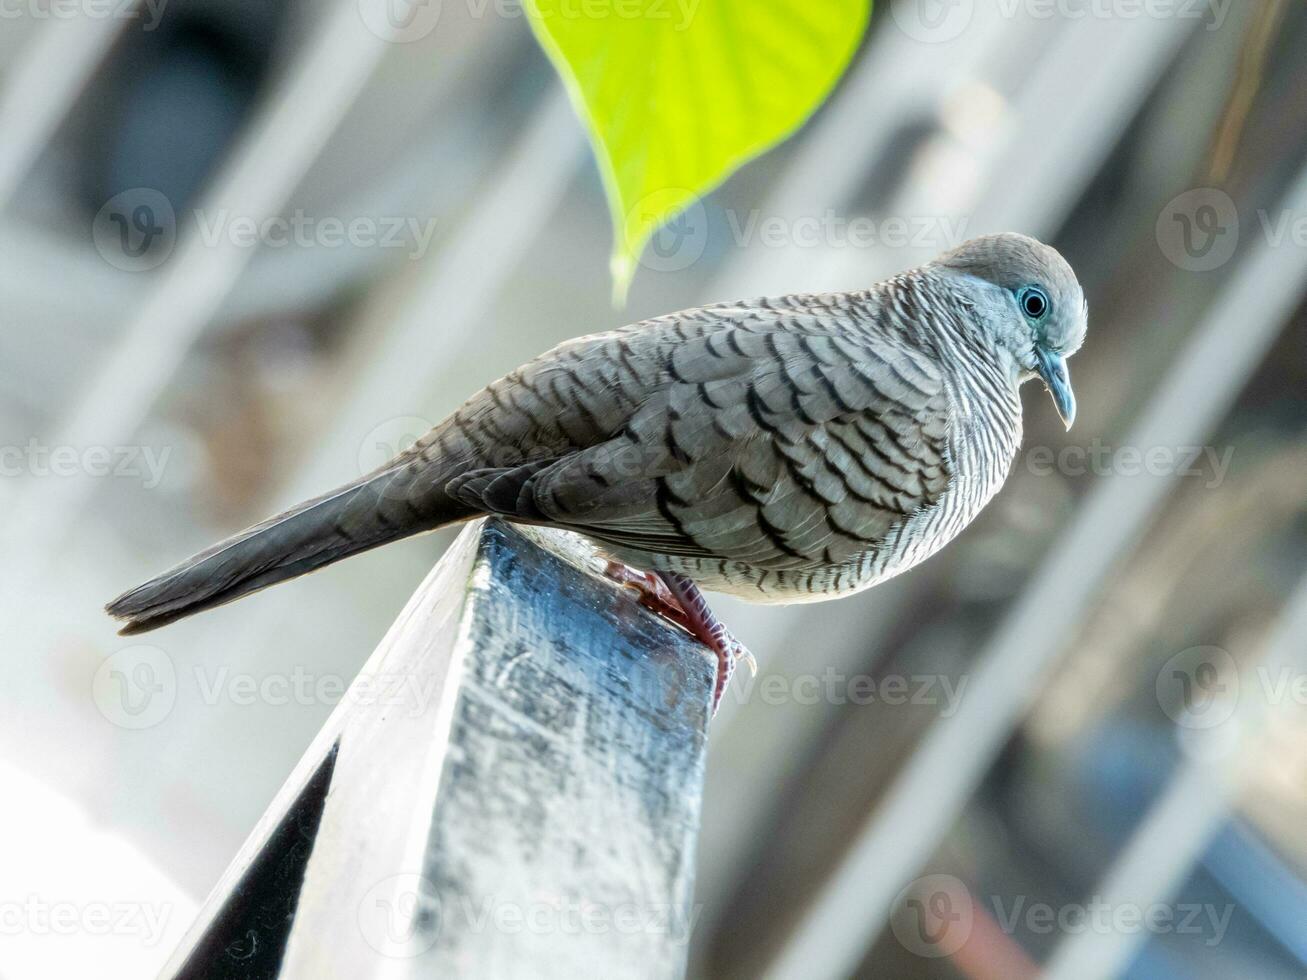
(943, 316)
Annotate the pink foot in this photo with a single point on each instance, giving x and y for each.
(675, 597)
(652, 592)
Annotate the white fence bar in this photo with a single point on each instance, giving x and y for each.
(44, 82)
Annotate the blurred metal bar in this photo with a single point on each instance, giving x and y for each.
(1086, 88)
(510, 788)
(936, 782)
(44, 82)
(1178, 827)
(1073, 105)
(297, 120)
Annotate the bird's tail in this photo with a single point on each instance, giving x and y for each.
(380, 508)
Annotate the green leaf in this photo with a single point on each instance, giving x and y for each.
(678, 94)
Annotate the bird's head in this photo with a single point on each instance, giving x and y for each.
(1030, 305)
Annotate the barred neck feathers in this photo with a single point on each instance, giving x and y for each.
(982, 384)
(936, 314)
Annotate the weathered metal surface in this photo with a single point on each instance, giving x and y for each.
(515, 791)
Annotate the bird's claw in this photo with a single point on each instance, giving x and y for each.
(651, 590)
(675, 597)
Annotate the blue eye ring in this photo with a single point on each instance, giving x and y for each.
(1034, 302)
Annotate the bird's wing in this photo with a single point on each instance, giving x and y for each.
(780, 434)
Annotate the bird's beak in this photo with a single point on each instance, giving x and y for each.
(1052, 368)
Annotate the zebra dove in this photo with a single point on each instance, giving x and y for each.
(781, 450)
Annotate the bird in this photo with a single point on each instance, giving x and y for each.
(781, 450)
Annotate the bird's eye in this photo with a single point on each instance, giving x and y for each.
(1034, 302)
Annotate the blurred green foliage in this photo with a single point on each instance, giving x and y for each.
(678, 94)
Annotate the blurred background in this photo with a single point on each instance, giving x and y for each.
(249, 250)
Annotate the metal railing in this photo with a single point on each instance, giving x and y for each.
(510, 788)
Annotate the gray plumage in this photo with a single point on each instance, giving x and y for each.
(783, 450)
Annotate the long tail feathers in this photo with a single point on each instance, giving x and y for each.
(318, 532)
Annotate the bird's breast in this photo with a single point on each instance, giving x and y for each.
(981, 448)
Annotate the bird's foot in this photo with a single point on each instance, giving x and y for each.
(674, 597)
(711, 631)
(651, 591)
(729, 651)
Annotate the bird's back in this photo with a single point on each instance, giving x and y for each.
(786, 449)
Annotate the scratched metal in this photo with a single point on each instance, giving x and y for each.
(567, 813)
